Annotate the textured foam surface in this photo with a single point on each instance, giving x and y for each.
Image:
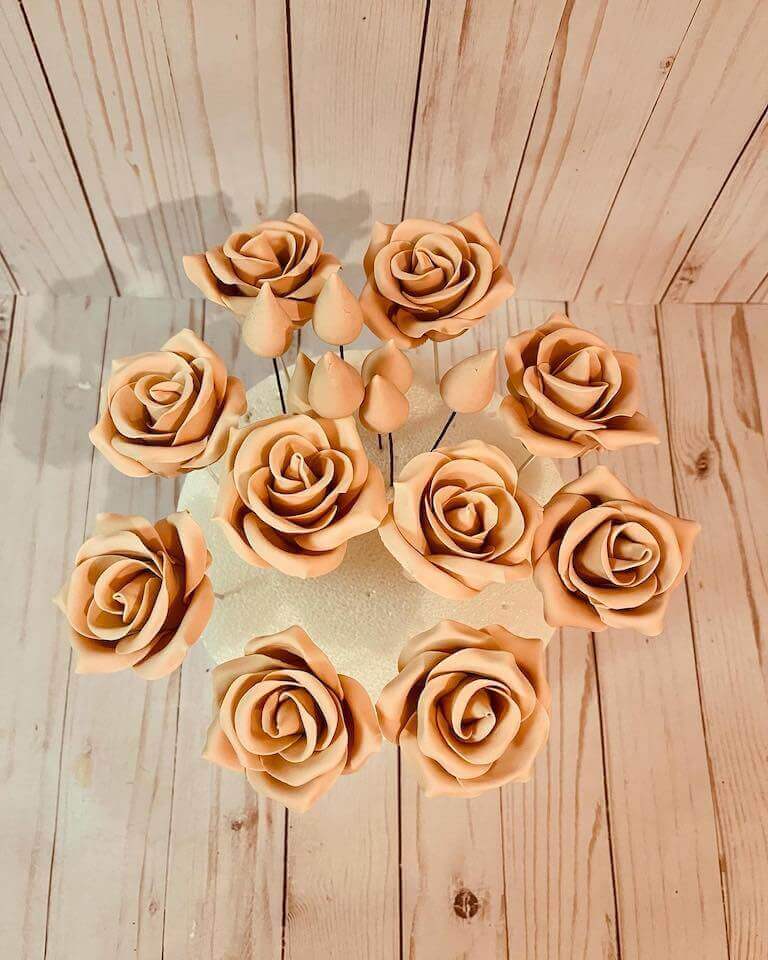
(362, 613)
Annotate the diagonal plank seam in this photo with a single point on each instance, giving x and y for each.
(564, 18)
(632, 157)
(70, 151)
(711, 207)
(415, 111)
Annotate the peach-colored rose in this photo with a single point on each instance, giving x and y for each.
(459, 521)
(139, 596)
(287, 255)
(469, 707)
(604, 557)
(569, 392)
(432, 280)
(295, 490)
(168, 412)
(286, 718)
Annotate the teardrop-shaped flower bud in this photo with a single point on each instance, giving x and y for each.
(384, 408)
(468, 386)
(267, 329)
(297, 395)
(337, 317)
(335, 388)
(392, 364)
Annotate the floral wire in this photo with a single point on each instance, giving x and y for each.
(443, 432)
(279, 383)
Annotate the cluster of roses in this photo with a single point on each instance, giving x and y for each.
(469, 707)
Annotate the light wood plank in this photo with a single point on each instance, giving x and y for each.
(342, 880)
(355, 70)
(230, 60)
(729, 257)
(221, 830)
(179, 118)
(608, 66)
(662, 818)
(452, 875)
(482, 72)
(452, 871)
(477, 874)
(354, 82)
(559, 886)
(225, 871)
(49, 402)
(714, 97)
(558, 880)
(47, 235)
(720, 465)
(108, 877)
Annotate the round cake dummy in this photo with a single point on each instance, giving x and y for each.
(363, 612)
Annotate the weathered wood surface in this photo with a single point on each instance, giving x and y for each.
(117, 757)
(728, 260)
(715, 405)
(715, 95)
(125, 843)
(48, 239)
(613, 144)
(178, 116)
(481, 76)
(355, 73)
(49, 403)
(609, 64)
(660, 801)
(557, 844)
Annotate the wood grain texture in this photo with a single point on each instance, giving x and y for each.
(221, 830)
(225, 870)
(229, 63)
(49, 402)
(609, 63)
(557, 857)
(715, 95)
(458, 900)
(482, 71)
(720, 464)
(342, 869)
(117, 761)
(355, 69)
(452, 874)
(352, 142)
(729, 257)
(662, 818)
(175, 112)
(521, 873)
(47, 236)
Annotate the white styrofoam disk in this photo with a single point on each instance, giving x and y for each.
(363, 612)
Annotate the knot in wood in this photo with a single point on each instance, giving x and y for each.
(465, 904)
(703, 462)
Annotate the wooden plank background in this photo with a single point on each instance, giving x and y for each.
(641, 835)
(619, 152)
(618, 148)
